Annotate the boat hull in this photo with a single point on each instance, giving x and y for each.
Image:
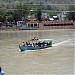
(23, 48)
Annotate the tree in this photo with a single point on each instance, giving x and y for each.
(22, 10)
(9, 15)
(39, 14)
(49, 7)
(71, 14)
(9, 18)
(2, 16)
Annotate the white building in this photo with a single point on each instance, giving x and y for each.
(62, 16)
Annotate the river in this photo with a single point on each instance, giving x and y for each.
(55, 60)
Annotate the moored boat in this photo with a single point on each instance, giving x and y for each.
(27, 28)
(35, 44)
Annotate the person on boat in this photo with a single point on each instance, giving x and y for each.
(28, 43)
(34, 45)
(50, 43)
(1, 72)
(23, 44)
(39, 44)
(35, 38)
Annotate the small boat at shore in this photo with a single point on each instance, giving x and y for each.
(35, 44)
(27, 28)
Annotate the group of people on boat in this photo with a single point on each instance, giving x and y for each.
(39, 44)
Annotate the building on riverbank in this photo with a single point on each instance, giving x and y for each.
(51, 25)
(36, 25)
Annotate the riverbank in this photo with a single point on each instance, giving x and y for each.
(40, 26)
(4, 28)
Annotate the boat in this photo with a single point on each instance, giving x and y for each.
(36, 44)
(27, 28)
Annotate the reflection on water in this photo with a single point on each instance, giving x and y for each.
(53, 60)
(23, 34)
(26, 35)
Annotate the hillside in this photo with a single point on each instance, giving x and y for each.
(41, 1)
(58, 4)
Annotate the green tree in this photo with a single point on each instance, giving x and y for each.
(39, 14)
(9, 15)
(71, 14)
(22, 10)
(9, 18)
(49, 7)
(2, 16)
(17, 15)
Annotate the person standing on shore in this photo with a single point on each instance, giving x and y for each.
(1, 72)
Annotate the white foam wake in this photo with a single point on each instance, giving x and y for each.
(57, 44)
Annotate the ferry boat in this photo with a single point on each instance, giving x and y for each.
(35, 44)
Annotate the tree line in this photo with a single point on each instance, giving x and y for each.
(22, 10)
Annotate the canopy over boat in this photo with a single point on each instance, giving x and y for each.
(44, 40)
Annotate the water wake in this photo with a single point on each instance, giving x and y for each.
(60, 43)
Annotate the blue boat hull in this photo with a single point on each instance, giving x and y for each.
(23, 48)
